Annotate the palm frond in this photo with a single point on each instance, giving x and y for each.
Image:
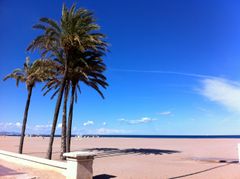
(52, 23)
(54, 94)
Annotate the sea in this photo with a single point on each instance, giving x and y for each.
(167, 136)
(136, 136)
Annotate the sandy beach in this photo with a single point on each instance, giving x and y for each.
(137, 158)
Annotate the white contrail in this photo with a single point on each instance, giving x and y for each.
(163, 72)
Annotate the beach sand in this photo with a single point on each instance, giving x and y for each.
(127, 158)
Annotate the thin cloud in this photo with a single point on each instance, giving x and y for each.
(222, 91)
(162, 72)
(202, 109)
(40, 129)
(88, 123)
(122, 119)
(138, 121)
(101, 130)
(9, 126)
(111, 131)
(18, 124)
(42, 126)
(104, 123)
(59, 125)
(165, 113)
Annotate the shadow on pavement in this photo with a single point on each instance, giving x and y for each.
(4, 171)
(104, 176)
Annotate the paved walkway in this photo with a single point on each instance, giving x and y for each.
(6, 172)
(14, 171)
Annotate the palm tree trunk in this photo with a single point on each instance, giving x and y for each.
(25, 119)
(55, 118)
(56, 112)
(64, 123)
(70, 117)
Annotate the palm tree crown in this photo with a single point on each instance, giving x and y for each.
(75, 33)
(31, 72)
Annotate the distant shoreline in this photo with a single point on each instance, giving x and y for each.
(141, 136)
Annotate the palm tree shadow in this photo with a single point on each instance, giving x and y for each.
(4, 171)
(104, 176)
(106, 152)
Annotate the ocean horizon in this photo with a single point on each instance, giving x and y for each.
(165, 136)
(135, 136)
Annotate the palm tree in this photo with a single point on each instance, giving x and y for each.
(91, 75)
(29, 74)
(76, 33)
(55, 83)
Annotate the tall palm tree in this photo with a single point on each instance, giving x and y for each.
(75, 33)
(29, 74)
(91, 75)
(55, 83)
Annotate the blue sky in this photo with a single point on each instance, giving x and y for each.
(173, 68)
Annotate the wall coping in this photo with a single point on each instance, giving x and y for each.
(32, 161)
(80, 155)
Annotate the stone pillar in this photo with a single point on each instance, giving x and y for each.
(79, 165)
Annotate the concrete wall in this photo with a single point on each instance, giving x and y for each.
(35, 162)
